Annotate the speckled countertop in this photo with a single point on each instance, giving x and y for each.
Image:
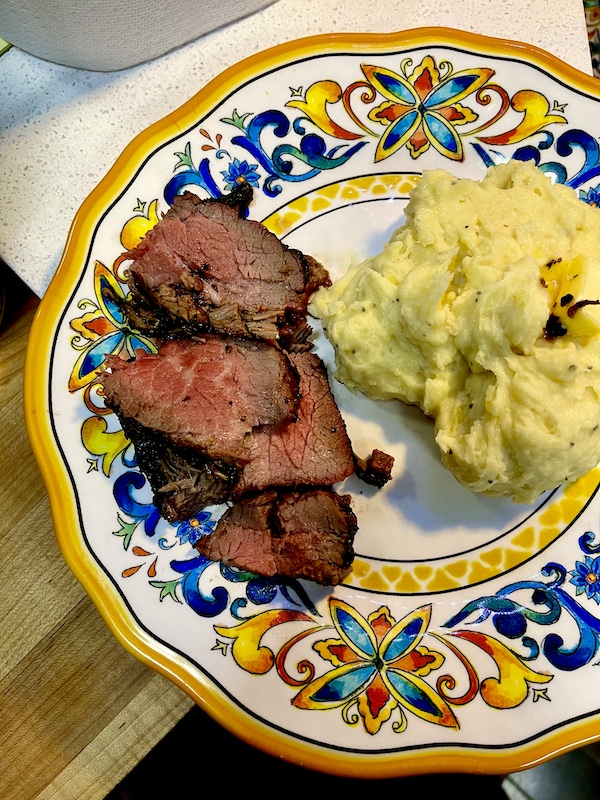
(61, 128)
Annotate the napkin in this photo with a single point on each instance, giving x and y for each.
(113, 34)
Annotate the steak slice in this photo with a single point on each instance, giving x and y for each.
(215, 419)
(295, 534)
(182, 480)
(207, 394)
(312, 450)
(205, 267)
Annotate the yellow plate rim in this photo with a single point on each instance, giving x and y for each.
(64, 512)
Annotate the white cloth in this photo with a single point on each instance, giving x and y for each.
(113, 34)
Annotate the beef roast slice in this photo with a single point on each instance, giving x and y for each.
(312, 450)
(181, 478)
(206, 394)
(296, 534)
(203, 256)
(317, 534)
(243, 536)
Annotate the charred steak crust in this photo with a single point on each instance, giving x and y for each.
(376, 470)
(306, 535)
(178, 476)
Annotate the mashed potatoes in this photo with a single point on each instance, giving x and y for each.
(474, 312)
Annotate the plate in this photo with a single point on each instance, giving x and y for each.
(490, 610)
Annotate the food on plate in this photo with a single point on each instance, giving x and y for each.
(206, 267)
(375, 470)
(483, 310)
(312, 450)
(207, 394)
(233, 408)
(212, 419)
(296, 534)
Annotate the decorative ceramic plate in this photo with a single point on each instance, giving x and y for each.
(466, 638)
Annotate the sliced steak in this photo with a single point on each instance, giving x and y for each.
(182, 480)
(207, 395)
(205, 267)
(296, 534)
(312, 450)
(216, 419)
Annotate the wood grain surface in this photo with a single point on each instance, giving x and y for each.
(77, 711)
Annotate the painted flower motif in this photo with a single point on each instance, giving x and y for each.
(379, 665)
(102, 330)
(592, 196)
(240, 170)
(195, 528)
(586, 578)
(423, 109)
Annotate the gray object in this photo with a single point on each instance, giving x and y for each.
(107, 35)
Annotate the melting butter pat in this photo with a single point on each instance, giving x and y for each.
(574, 288)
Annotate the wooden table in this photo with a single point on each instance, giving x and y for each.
(77, 711)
